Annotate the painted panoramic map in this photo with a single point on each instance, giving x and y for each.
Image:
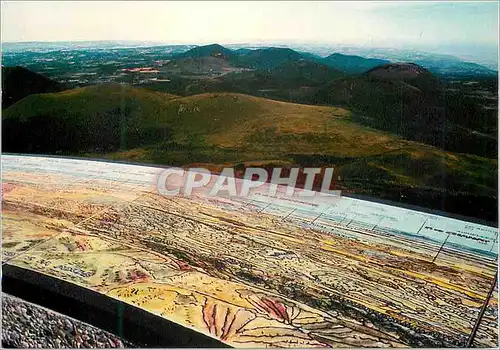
(248, 276)
(399, 116)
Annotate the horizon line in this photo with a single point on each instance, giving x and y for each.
(248, 41)
(153, 43)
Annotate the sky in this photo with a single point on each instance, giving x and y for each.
(382, 24)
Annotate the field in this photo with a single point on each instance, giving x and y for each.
(252, 274)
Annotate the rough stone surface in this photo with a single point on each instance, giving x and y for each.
(25, 325)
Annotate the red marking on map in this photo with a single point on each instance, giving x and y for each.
(6, 187)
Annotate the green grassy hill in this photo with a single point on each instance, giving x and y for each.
(408, 100)
(120, 122)
(19, 82)
(294, 81)
(290, 75)
(214, 50)
(401, 98)
(99, 118)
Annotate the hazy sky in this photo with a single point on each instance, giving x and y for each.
(375, 23)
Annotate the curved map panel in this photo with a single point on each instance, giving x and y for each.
(253, 272)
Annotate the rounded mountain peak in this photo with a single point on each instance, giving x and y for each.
(399, 71)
